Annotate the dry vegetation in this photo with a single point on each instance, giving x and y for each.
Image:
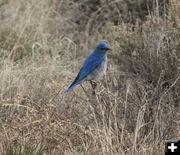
(137, 104)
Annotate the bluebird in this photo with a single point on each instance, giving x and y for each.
(94, 66)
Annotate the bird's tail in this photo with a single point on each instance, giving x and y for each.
(72, 86)
(79, 78)
(76, 82)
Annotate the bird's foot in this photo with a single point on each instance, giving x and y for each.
(93, 84)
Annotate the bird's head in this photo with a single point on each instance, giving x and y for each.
(102, 47)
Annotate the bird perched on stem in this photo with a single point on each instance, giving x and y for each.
(94, 66)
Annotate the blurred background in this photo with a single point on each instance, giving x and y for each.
(43, 44)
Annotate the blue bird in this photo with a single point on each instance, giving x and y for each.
(94, 66)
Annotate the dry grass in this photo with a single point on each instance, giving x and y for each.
(136, 105)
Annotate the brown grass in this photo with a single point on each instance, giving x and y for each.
(136, 105)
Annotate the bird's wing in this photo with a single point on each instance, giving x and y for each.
(87, 68)
(91, 64)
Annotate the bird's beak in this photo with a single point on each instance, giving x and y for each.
(108, 49)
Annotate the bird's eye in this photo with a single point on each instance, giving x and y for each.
(105, 49)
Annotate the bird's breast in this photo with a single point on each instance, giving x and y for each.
(98, 71)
